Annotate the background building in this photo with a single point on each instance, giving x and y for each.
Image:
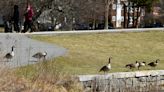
(125, 14)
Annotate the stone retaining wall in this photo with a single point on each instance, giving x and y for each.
(140, 81)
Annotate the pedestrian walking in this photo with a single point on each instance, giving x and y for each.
(28, 18)
(7, 24)
(16, 19)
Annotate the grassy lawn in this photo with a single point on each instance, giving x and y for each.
(87, 53)
(1, 29)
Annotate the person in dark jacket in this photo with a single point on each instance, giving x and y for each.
(16, 18)
(7, 24)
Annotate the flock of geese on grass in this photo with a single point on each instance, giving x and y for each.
(137, 65)
(106, 68)
(39, 55)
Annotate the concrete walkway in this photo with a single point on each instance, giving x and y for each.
(25, 48)
(96, 31)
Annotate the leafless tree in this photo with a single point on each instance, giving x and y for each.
(67, 12)
(107, 4)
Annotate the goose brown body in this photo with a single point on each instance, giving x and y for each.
(40, 55)
(154, 64)
(10, 55)
(132, 66)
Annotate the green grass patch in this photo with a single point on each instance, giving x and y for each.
(87, 53)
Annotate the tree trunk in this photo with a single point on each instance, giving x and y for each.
(137, 16)
(124, 15)
(106, 14)
(94, 22)
(128, 15)
(133, 15)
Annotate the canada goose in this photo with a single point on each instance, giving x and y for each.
(132, 66)
(136, 64)
(107, 67)
(40, 55)
(10, 55)
(141, 64)
(154, 64)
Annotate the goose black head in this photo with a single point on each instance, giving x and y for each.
(12, 48)
(109, 60)
(144, 62)
(136, 61)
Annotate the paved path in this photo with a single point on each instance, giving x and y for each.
(96, 31)
(25, 48)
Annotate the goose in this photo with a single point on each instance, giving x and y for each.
(132, 66)
(136, 64)
(40, 55)
(154, 64)
(10, 55)
(141, 64)
(107, 67)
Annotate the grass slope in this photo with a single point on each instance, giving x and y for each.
(87, 53)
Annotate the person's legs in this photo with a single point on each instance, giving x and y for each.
(26, 27)
(16, 27)
(6, 27)
(30, 26)
(10, 27)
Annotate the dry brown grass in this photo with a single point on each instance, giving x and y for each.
(42, 82)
